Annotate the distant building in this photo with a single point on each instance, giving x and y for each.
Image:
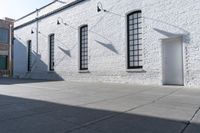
(6, 41)
(151, 42)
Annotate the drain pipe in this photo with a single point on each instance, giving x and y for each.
(10, 58)
(37, 30)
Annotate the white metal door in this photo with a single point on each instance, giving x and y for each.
(172, 61)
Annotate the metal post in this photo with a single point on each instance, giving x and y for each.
(10, 60)
(37, 31)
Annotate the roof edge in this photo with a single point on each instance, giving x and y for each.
(49, 14)
(36, 10)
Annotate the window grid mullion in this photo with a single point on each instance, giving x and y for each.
(29, 55)
(84, 48)
(134, 40)
(51, 52)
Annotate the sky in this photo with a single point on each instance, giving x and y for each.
(18, 8)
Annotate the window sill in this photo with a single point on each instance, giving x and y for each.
(135, 70)
(84, 71)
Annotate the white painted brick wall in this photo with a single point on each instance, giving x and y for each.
(176, 17)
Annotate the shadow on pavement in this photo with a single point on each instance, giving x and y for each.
(19, 115)
(11, 81)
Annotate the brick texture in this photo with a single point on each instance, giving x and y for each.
(107, 41)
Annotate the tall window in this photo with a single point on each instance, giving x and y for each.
(3, 62)
(134, 40)
(4, 35)
(84, 47)
(29, 55)
(51, 52)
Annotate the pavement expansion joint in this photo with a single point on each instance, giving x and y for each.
(104, 100)
(187, 124)
(117, 114)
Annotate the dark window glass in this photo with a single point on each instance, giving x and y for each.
(4, 36)
(84, 48)
(29, 55)
(3, 62)
(134, 32)
(51, 52)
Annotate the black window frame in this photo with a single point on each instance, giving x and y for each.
(136, 36)
(83, 47)
(29, 54)
(8, 36)
(51, 52)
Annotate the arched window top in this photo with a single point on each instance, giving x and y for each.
(84, 26)
(133, 12)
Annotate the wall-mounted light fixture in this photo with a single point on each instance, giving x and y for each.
(36, 32)
(100, 7)
(32, 32)
(61, 21)
(58, 22)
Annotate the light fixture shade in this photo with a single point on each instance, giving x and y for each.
(58, 22)
(98, 9)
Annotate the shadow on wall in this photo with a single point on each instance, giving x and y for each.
(22, 115)
(39, 69)
(108, 46)
(185, 34)
(186, 37)
(67, 52)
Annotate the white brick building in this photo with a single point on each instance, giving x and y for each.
(129, 41)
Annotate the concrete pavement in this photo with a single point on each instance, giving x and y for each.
(33, 106)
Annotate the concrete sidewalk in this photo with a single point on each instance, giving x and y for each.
(33, 106)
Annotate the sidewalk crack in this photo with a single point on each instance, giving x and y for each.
(190, 121)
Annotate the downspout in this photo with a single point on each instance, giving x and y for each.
(37, 31)
(10, 58)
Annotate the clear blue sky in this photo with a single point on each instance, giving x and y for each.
(18, 8)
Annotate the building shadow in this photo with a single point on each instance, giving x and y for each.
(21, 115)
(39, 68)
(12, 81)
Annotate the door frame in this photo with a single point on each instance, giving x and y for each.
(183, 57)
